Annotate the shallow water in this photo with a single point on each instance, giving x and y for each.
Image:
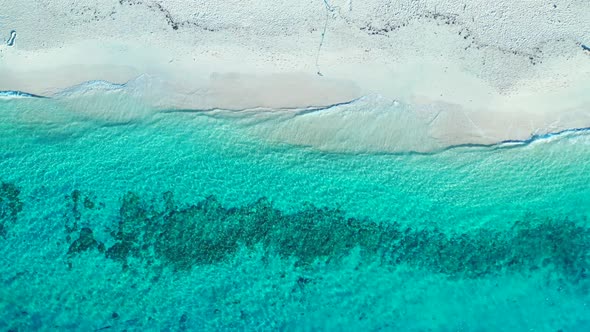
(173, 221)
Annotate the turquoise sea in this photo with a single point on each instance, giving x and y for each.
(190, 221)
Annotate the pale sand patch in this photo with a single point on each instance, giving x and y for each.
(376, 124)
(228, 83)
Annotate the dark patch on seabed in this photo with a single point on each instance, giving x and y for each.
(164, 234)
(10, 206)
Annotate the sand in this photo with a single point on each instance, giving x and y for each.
(421, 76)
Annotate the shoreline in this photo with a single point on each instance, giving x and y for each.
(80, 99)
(458, 83)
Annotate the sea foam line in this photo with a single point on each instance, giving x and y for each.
(15, 94)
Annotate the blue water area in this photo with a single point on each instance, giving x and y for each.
(191, 221)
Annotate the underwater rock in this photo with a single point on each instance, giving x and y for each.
(10, 206)
(85, 242)
(201, 234)
(71, 224)
(88, 203)
(207, 233)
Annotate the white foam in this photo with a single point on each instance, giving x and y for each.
(15, 95)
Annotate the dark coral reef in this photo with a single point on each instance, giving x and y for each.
(182, 236)
(207, 233)
(10, 206)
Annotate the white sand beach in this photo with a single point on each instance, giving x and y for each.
(429, 74)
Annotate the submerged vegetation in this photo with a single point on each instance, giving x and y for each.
(10, 206)
(207, 233)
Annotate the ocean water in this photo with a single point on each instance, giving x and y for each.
(171, 221)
